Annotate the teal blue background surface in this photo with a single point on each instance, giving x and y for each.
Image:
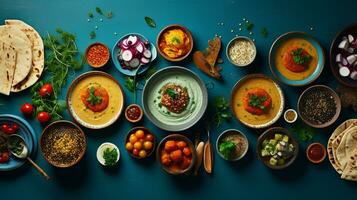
(136, 179)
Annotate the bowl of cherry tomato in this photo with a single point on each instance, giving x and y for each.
(176, 154)
(140, 142)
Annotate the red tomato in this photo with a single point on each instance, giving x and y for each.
(46, 90)
(27, 108)
(4, 157)
(15, 127)
(10, 131)
(43, 117)
(5, 128)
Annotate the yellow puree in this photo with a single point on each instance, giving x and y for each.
(247, 117)
(115, 100)
(175, 43)
(300, 43)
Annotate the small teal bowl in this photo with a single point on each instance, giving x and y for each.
(320, 63)
(25, 131)
(115, 52)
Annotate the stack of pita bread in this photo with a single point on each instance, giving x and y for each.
(21, 56)
(342, 150)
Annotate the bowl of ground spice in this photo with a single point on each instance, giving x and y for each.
(97, 55)
(63, 144)
(319, 106)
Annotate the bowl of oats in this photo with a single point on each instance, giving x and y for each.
(241, 51)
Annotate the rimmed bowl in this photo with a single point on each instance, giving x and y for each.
(285, 37)
(146, 131)
(230, 46)
(227, 133)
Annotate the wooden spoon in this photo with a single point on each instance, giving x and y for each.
(208, 154)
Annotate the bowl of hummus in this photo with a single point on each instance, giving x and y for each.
(174, 98)
(95, 100)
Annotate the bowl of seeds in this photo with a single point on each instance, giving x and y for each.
(241, 51)
(319, 106)
(63, 144)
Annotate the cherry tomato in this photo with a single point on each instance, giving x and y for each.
(10, 131)
(129, 146)
(140, 134)
(148, 145)
(27, 108)
(15, 127)
(136, 152)
(149, 137)
(5, 128)
(43, 117)
(138, 145)
(142, 154)
(46, 90)
(4, 157)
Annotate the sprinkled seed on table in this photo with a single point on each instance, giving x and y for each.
(101, 19)
(96, 27)
(250, 33)
(232, 31)
(237, 35)
(88, 20)
(253, 40)
(222, 23)
(244, 19)
(240, 29)
(311, 28)
(220, 36)
(247, 21)
(115, 33)
(240, 24)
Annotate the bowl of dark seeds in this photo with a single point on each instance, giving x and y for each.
(319, 106)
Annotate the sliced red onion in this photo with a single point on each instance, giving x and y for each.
(140, 47)
(144, 60)
(353, 75)
(147, 53)
(344, 71)
(338, 57)
(354, 44)
(344, 61)
(351, 59)
(350, 50)
(343, 44)
(125, 42)
(340, 65)
(350, 38)
(132, 40)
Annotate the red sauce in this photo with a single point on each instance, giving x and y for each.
(259, 93)
(316, 152)
(97, 55)
(99, 92)
(289, 63)
(133, 112)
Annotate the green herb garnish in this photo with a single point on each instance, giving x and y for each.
(249, 26)
(172, 93)
(257, 101)
(90, 15)
(264, 32)
(299, 57)
(93, 99)
(150, 22)
(227, 149)
(109, 14)
(305, 133)
(16, 145)
(110, 156)
(61, 58)
(222, 111)
(129, 83)
(92, 35)
(175, 40)
(98, 10)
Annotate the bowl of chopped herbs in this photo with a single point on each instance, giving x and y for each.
(108, 154)
(232, 145)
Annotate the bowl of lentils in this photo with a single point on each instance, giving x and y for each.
(319, 106)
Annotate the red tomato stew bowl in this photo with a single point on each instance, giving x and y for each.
(140, 142)
(176, 154)
(95, 99)
(343, 56)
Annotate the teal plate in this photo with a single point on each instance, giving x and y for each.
(26, 131)
(287, 36)
(116, 49)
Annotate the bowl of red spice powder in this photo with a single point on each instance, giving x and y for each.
(97, 55)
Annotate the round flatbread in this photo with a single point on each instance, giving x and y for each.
(7, 67)
(347, 146)
(38, 57)
(13, 36)
(350, 172)
(335, 140)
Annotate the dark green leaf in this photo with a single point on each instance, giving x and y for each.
(90, 15)
(129, 84)
(99, 10)
(92, 35)
(264, 32)
(150, 22)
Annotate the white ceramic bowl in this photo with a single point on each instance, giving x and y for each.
(101, 149)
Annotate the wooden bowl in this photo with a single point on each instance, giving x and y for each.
(270, 134)
(190, 145)
(169, 27)
(333, 94)
(104, 63)
(334, 50)
(56, 126)
(146, 131)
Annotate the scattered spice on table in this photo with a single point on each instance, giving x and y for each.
(318, 106)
